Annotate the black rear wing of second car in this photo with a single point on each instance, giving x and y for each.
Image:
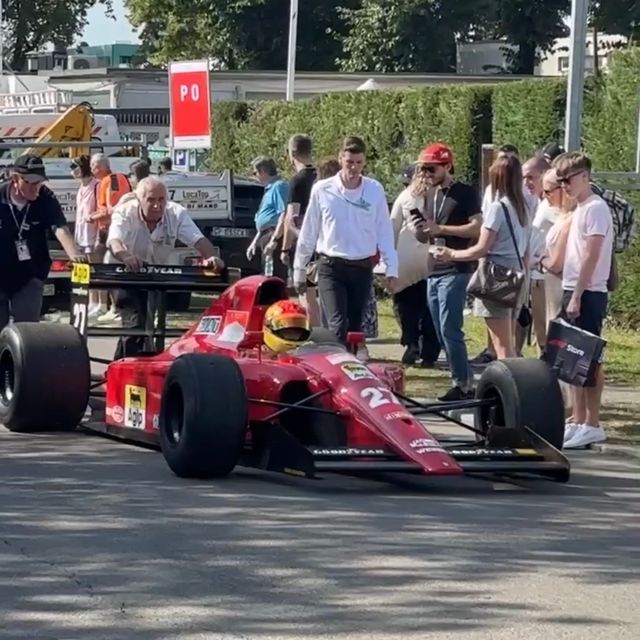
(156, 279)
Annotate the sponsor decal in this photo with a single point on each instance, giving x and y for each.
(135, 406)
(151, 270)
(349, 452)
(398, 415)
(475, 453)
(339, 358)
(425, 445)
(209, 325)
(357, 371)
(81, 274)
(117, 413)
(563, 344)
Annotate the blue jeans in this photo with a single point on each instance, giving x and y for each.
(446, 295)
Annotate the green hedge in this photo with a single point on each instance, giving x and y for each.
(529, 114)
(396, 125)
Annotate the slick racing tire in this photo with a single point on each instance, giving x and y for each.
(204, 416)
(528, 394)
(45, 375)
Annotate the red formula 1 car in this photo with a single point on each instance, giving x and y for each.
(215, 398)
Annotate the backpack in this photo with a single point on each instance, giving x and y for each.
(622, 213)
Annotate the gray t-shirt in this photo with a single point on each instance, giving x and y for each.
(503, 251)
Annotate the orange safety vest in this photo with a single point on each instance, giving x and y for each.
(110, 190)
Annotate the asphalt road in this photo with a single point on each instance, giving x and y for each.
(98, 540)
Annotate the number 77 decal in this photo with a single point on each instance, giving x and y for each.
(379, 396)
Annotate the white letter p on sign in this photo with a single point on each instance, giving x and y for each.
(193, 91)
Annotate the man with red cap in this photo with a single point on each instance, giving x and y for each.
(452, 218)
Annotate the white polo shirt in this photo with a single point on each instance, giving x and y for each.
(353, 224)
(154, 247)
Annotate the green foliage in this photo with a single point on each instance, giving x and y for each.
(29, 25)
(529, 114)
(395, 125)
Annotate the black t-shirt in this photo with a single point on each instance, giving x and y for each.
(300, 189)
(35, 220)
(453, 206)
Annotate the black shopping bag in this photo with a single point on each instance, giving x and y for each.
(573, 354)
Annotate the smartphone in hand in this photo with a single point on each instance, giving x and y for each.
(417, 216)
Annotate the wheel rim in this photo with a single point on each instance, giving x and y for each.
(174, 415)
(7, 377)
(493, 415)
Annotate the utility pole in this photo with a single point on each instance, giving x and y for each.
(291, 57)
(1, 42)
(575, 85)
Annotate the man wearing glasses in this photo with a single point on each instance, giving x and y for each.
(585, 274)
(27, 211)
(452, 219)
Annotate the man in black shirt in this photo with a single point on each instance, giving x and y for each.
(300, 154)
(452, 219)
(28, 210)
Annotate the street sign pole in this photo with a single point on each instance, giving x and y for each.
(291, 57)
(575, 85)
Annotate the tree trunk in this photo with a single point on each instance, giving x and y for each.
(524, 62)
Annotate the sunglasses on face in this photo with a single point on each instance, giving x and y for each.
(431, 169)
(569, 178)
(548, 192)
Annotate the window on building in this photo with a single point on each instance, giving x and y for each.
(563, 63)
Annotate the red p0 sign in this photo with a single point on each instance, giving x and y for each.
(190, 100)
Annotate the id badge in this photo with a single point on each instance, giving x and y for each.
(23, 251)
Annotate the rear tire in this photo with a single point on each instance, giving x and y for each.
(528, 394)
(204, 416)
(45, 376)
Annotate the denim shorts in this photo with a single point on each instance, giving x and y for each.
(593, 310)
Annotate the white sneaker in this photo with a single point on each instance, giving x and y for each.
(109, 316)
(569, 430)
(96, 310)
(585, 436)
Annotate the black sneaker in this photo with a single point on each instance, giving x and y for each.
(484, 357)
(410, 355)
(455, 394)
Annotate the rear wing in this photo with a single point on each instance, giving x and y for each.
(157, 279)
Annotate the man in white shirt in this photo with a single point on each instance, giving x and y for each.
(585, 274)
(347, 222)
(144, 230)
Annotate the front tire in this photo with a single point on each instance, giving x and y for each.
(527, 394)
(45, 376)
(204, 416)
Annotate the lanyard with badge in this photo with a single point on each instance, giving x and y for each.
(22, 248)
(437, 212)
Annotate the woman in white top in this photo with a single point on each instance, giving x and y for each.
(414, 265)
(556, 242)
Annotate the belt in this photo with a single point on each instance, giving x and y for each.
(363, 263)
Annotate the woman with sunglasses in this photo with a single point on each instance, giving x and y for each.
(556, 241)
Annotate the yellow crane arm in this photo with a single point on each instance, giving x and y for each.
(74, 125)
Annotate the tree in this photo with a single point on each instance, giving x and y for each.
(530, 27)
(408, 35)
(616, 17)
(238, 34)
(29, 25)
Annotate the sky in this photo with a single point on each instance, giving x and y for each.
(103, 30)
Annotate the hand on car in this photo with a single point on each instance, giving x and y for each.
(79, 257)
(213, 262)
(133, 263)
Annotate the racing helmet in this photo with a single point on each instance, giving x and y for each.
(286, 326)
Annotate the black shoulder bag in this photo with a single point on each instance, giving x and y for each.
(496, 283)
